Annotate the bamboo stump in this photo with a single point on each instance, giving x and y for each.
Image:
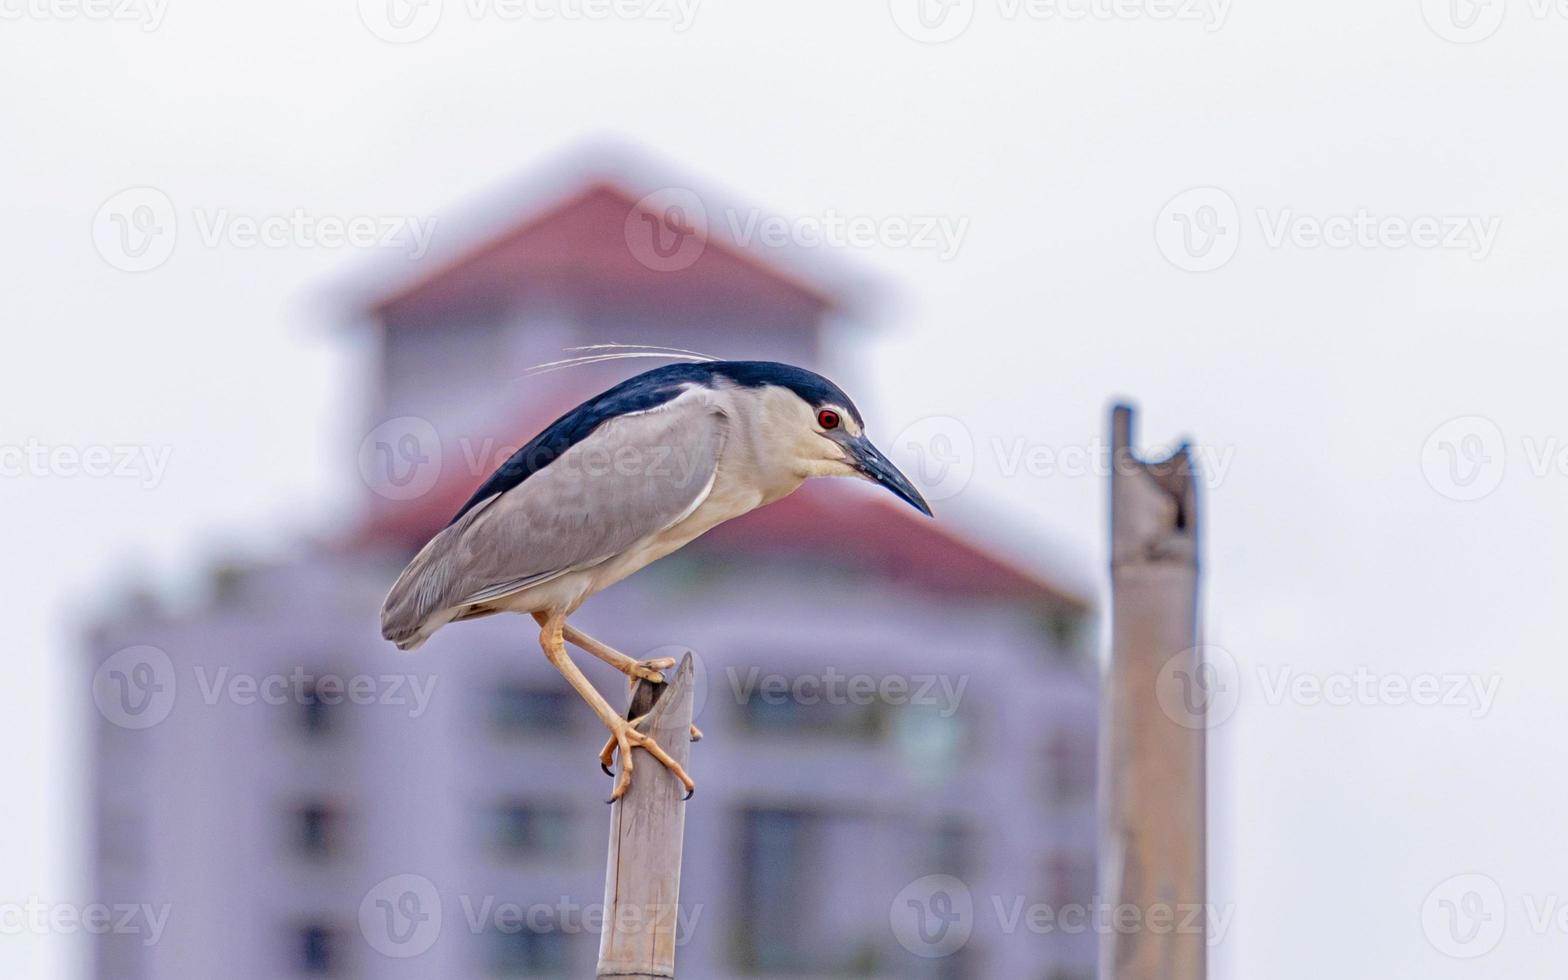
(1152, 763)
(642, 881)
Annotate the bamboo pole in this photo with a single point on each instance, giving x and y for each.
(1152, 760)
(642, 881)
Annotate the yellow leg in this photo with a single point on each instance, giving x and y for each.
(647, 670)
(622, 734)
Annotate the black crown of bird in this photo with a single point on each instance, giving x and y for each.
(625, 478)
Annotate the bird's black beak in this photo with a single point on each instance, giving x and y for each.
(869, 460)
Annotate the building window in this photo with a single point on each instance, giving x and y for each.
(796, 866)
(948, 848)
(774, 853)
(519, 709)
(521, 831)
(120, 956)
(119, 835)
(318, 950)
(1070, 879)
(529, 952)
(1071, 634)
(1071, 758)
(318, 716)
(316, 831)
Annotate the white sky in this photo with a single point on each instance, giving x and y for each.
(1318, 373)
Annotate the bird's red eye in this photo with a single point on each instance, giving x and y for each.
(827, 418)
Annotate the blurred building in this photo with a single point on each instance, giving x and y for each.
(883, 698)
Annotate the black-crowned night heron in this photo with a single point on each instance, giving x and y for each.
(620, 481)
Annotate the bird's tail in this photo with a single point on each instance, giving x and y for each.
(414, 608)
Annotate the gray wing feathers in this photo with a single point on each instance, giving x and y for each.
(633, 477)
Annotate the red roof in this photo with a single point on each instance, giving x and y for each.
(584, 242)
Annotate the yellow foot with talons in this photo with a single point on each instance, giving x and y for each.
(623, 738)
(607, 754)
